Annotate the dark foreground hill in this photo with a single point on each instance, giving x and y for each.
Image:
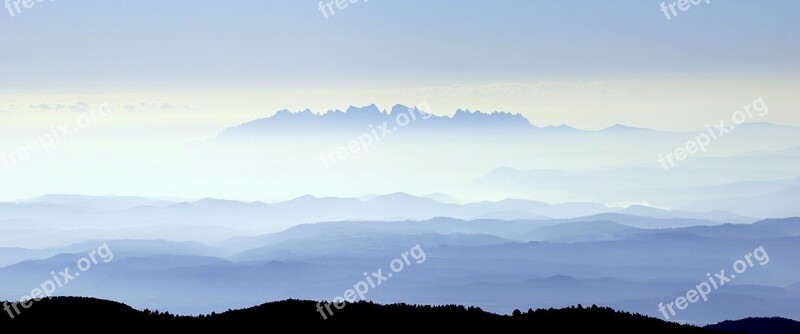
(759, 326)
(88, 313)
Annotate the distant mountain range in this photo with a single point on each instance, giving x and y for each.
(360, 119)
(618, 260)
(364, 150)
(182, 255)
(720, 187)
(43, 221)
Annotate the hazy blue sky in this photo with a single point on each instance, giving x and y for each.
(591, 63)
(91, 44)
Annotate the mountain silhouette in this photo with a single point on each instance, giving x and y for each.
(772, 325)
(63, 311)
(365, 118)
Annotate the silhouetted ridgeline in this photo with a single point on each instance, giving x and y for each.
(94, 313)
(759, 326)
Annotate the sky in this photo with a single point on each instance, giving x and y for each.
(234, 61)
(179, 72)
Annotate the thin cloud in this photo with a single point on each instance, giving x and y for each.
(74, 106)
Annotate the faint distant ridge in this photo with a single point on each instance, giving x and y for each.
(622, 128)
(108, 202)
